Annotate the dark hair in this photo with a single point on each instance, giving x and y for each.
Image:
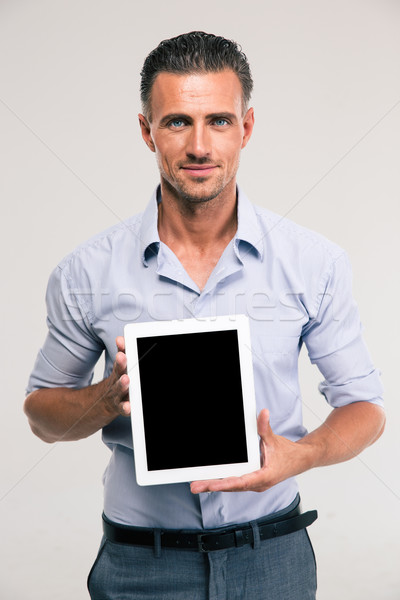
(194, 52)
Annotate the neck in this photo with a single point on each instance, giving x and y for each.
(185, 223)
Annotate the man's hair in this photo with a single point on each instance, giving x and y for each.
(194, 52)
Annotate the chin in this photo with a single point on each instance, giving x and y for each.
(199, 193)
(200, 199)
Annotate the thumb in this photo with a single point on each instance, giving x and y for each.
(263, 427)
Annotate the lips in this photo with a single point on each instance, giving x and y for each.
(199, 170)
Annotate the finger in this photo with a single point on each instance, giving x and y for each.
(209, 485)
(123, 384)
(125, 408)
(122, 395)
(263, 426)
(250, 481)
(121, 362)
(118, 391)
(120, 341)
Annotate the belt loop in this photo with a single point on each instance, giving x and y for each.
(256, 535)
(157, 543)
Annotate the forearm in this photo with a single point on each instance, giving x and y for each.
(345, 433)
(66, 414)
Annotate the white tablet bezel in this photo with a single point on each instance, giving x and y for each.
(239, 323)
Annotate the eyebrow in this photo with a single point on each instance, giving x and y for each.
(185, 117)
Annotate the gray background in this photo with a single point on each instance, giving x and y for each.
(325, 152)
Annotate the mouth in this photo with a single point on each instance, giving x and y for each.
(198, 170)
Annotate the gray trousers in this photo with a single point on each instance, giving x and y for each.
(281, 568)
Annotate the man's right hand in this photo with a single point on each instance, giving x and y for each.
(65, 414)
(116, 393)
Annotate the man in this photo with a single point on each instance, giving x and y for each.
(201, 249)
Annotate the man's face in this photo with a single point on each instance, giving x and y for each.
(197, 132)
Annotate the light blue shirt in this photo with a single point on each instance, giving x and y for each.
(295, 287)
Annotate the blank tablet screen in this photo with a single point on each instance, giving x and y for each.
(192, 399)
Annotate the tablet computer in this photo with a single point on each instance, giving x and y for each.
(192, 399)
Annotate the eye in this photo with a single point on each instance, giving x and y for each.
(176, 123)
(221, 122)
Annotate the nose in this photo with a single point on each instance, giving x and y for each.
(198, 143)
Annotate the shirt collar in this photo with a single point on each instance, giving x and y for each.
(248, 230)
(149, 238)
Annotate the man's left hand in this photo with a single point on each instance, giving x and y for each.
(279, 460)
(343, 435)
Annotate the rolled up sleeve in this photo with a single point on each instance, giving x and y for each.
(71, 349)
(335, 343)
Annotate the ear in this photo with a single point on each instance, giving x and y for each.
(248, 124)
(146, 132)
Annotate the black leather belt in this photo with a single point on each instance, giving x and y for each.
(204, 541)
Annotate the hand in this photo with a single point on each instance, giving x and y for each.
(279, 460)
(116, 392)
